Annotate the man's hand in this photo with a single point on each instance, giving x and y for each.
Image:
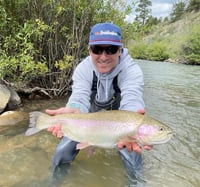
(141, 111)
(130, 146)
(133, 146)
(56, 129)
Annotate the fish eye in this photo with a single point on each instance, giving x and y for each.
(161, 128)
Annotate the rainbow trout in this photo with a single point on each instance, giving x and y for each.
(104, 129)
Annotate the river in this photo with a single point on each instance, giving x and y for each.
(171, 94)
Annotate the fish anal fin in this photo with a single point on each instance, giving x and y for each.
(90, 151)
(82, 145)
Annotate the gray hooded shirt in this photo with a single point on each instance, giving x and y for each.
(130, 82)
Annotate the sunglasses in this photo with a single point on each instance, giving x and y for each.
(110, 50)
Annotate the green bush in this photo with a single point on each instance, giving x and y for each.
(154, 51)
(17, 55)
(138, 51)
(191, 48)
(157, 51)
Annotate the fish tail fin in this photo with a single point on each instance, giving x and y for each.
(33, 116)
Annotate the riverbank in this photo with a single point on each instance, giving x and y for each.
(175, 42)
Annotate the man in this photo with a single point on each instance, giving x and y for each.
(107, 79)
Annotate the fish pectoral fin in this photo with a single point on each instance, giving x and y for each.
(127, 139)
(82, 145)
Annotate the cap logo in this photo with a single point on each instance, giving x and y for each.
(106, 33)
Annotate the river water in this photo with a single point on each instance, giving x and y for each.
(172, 95)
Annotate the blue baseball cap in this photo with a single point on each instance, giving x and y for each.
(105, 33)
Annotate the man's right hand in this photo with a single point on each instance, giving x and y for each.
(56, 129)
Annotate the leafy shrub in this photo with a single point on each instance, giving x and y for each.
(157, 51)
(138, 51)
(17, 55)
(154, 51)
(191, 48)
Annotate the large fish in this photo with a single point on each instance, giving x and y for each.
(104, 129)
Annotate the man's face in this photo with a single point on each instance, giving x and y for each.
(105, 57)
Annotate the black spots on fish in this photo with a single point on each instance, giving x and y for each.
(161, 129)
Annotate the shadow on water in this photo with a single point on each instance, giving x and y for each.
(172, 95)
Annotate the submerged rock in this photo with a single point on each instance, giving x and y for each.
(4, 97)
(9, 99)
(13, 117)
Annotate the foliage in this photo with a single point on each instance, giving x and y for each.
(138, 50)
(181, 7)
(177, 11)
(193, 5)
(143, 11)
(191, 48)
(17, 55)
(152, 51)
(176, 42)
(157, 51)
(143, 20)
(42, 41)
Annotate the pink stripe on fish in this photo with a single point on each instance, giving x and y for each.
(107, 125)
(146, 130)
(83, 122)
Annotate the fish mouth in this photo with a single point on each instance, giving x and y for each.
(164, 140)
(169, 135)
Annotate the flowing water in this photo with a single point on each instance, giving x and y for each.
(172, 95)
